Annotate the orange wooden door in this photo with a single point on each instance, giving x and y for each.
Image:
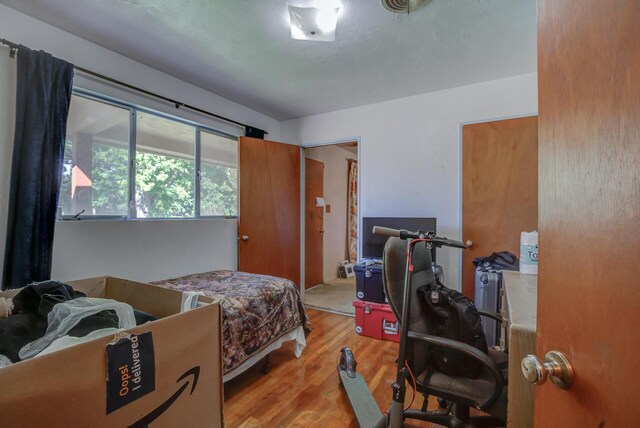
(499, 188)
(269, 219)
(314, 223)
(589, 274)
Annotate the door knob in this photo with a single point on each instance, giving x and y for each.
(556, 366)
(469, 243)
(245, 238)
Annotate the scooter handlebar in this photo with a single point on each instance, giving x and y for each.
(387, 231)
(405, 234)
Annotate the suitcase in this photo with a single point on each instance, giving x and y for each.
(376, 320)
(488, 285)
(369, 282)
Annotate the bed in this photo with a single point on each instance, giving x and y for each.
(259, 314)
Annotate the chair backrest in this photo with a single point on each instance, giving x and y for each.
(394, 269)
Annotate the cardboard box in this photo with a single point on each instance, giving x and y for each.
(69, 388)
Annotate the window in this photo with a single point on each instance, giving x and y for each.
(167, 168)
(96, 160)
(218, 176)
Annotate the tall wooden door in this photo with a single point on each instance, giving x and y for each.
(499, 188)
(589, 273)
(269, 220)
(314, 223)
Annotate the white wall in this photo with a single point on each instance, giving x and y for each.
(142, 250)
(335, 187)
(410, 149)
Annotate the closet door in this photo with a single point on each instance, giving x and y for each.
(499, 189)
(269, 215)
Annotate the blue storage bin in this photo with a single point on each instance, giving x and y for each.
(369, 282)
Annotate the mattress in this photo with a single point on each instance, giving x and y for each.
(257, 311)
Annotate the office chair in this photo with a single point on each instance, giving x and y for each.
(487, 392)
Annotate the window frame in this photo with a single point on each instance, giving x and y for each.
(133, 118)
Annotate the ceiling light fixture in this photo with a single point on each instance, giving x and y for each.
(314, 23)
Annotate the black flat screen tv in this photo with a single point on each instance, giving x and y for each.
(372, 245)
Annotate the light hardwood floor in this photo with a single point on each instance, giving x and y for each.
(306, 392)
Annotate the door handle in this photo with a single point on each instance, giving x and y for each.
(469, 243)
(245, 238)
(555, 366)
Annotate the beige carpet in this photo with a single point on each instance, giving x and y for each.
(335, 296)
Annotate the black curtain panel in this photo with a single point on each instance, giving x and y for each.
(42, 106)
(250, 131)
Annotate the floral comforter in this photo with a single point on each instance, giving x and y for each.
(256, 309)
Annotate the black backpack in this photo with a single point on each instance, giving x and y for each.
(453, 316)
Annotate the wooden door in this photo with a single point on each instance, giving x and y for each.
(314, 223)
(499, 188)
(589, 274)
(269, 220)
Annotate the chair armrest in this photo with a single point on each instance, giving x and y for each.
(489, 314)
(472, 352)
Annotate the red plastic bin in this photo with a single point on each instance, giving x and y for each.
(376, 320)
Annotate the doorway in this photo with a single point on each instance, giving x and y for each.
(331, 225)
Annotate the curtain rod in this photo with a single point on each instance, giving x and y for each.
(14, 48)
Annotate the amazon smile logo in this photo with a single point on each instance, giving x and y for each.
(190, 378)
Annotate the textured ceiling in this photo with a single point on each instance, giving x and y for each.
(241, 49)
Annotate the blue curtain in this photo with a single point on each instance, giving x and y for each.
(42, 106)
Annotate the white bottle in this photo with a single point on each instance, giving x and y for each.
(529, 252)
